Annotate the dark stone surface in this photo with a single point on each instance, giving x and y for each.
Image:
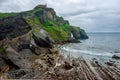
(115, 57)
(12, 27)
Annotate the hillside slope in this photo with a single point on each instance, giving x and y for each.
(41, 17)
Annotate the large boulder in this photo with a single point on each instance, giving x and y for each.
(16, 59)
(42, 38)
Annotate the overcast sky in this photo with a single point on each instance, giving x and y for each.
(91, 15)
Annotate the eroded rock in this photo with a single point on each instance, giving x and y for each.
(42, 38)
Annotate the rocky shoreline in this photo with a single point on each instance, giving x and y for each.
(50, 64)
(23, 59)
(30, 45)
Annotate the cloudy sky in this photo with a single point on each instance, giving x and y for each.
(91, 15)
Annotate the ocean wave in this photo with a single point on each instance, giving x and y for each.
(87, 52)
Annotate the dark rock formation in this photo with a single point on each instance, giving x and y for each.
(115, 57)
(12, 27)
(83, 34)
(42, 38)
(79, 33)
(67, 65)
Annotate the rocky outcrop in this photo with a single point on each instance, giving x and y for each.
(42, 38)
(83, 34)
(115, 57)
(78, 33)
(40, 17)
(27, 38)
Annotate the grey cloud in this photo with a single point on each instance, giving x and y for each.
(1, 1)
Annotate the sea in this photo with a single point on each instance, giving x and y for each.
(101, 46)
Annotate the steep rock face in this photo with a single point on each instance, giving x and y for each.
(50, 19)
(83, 34)
(42, 38)
(76, 32)
(79, 33)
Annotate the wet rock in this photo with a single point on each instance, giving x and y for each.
(115, 57)
(110, 63)
(67, 65)
(94, 59)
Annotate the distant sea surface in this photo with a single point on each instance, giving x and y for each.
(98, 44)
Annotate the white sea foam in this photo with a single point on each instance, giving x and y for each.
(86, 52)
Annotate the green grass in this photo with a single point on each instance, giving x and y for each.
(59, 30)
(56, 32)
(2, 15)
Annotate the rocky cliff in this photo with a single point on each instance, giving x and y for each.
(41, 17)
(27, 38)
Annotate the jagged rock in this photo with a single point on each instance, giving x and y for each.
(42, 38)
(115, 57)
